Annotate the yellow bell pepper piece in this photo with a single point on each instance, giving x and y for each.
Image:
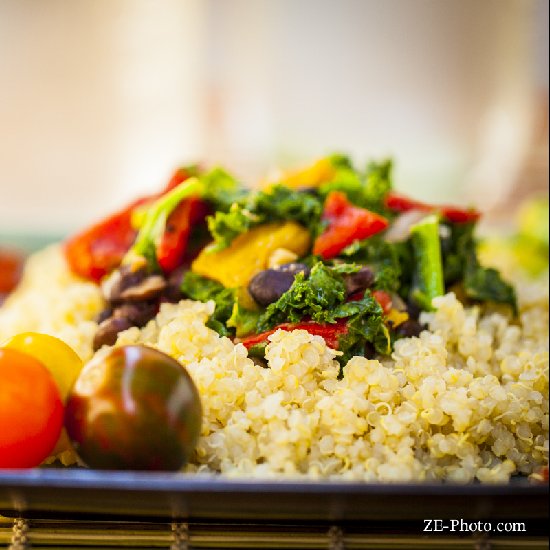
(245, 300)
(249, 253)
(397, 317)
(314, 175)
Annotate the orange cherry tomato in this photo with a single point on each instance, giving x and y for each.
(31, 410)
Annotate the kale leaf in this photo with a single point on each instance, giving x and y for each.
(243, 320)
(321, 298)
(278, 203)
(364, 324)
(315, 297)
(366, 190)
(461, 264)
(486, 284)
(378, 183)
(221, 189)
(384, 258)
(197, 287)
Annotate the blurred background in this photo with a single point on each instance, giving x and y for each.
(100, 101)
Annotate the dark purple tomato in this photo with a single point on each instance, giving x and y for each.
(136, 409)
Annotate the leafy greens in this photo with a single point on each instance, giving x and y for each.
(461, 264)
(200, 288)
(322, 298)
(278, 203)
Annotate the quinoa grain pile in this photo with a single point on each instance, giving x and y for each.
(467, 399)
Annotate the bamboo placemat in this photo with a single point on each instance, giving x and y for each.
(21, 534)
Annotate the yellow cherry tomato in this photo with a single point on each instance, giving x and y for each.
(58, 357)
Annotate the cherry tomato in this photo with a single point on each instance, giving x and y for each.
(135, 408)
(59, 358)
(31, 410)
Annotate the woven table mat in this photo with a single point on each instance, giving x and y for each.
(22, 534)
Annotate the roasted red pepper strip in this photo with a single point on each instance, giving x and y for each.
(346, 224)
(331, 333)
(179, 176)
(381, 296)
(99, 249)
(96, 251)
(384, 299)
(171, 249)
(401, 203)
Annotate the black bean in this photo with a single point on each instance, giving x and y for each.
(363, 279)
(413, 309)
(269, 285)
(369, 351)
(409, 328)
(294, 268)
(122, 280)
(149, 287)
(172, 292)
(104, 315)
(138, 313)
(108, 330)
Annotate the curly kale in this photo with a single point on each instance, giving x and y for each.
(278, 203)
(197, 287)
(322, 299)
(461, 265)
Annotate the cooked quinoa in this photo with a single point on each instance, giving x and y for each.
(467, 399)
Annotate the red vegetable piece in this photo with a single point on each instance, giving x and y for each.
(384, 299)
(179, 176)
(459, 215)
(401, 203)
(31, 410)
(331, 333)
(346, 224)
(11, 264)
(171, 249)
(99, 249)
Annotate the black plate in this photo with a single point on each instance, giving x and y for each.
(72, 493)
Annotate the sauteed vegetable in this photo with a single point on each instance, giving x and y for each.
(332, 249)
